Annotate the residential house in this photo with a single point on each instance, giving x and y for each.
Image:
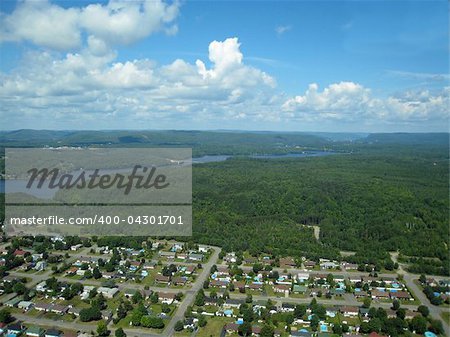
(159, 278)
(41, 306)
(168, 298)
(53, 333)
(287, 262)
(177, 247)
(282, 288)
(287, 307)
(349, 266)
(250, 260)
(328, 265)
(299, 289)
(210, 300)
(230, 257)
(76, 247)
(233, 302)
(25, 305)
(255, 286)
(71, 271)
(203, 248)
(360, 293)
(41, 265)
(59, 309)
(309, 264)
(332, 311)
(218, 283)
(19, 253)
(74, 311)
(349, 311)
(302, 277)
(364, 314)
(354, 278)
(108, 292)
(196, 257)
(34, 331)
(223, 271)
(231, 328)
(400, 295)
(182, 256)
(13, 302)
(339, 278)
(337, 291)
(179, 281)
(391, 313)
(167, 255)
(239, 285)
(388, 280)
(149, 265)
(189, 270)
(377, 294)
(14, 329)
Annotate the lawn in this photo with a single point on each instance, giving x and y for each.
(210, 308)
(113, 303)
(124, 322)
(213, 327)
(150, 278)
(183, 333)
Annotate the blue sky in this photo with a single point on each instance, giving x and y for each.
(295, 65)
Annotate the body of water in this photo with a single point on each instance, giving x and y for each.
(19, 185)
(218, 158)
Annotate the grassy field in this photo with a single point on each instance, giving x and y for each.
(213, 327)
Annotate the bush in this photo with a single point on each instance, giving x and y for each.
(179, 326)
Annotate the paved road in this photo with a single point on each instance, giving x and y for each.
(435, 311)
(190, 294)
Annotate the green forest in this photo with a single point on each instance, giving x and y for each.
(369, 202)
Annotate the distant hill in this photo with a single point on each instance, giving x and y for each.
(408, 138)
(203, 142)
(221, 141)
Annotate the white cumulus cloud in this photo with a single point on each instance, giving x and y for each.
(93, 82)
(118, 22)
(350, 102)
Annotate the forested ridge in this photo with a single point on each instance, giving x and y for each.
(368, 202)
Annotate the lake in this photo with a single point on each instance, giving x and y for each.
(18, 185)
